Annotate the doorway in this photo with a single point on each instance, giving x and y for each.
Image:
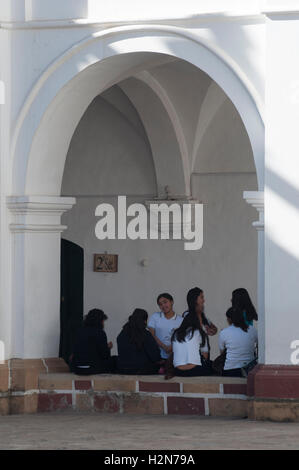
(71, 299)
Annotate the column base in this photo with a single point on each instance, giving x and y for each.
(273, 391)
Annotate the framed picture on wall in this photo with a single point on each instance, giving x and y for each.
(105, 263)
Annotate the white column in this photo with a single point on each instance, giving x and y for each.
(256, 200)
(282, 186)
(36, 228)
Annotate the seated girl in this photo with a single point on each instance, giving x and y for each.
(240, 342)
(162, 324)
(92, 353)
(196, 298)
(189, 345)
(242, 301)
(138, 352)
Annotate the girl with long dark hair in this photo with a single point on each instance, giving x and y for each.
(241, 301)
(190, 345)
(138, 352)
(239, 341)
(92, 353)
(196, 302)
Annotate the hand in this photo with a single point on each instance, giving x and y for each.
(110, 345)
(211, 330)
(168, 349)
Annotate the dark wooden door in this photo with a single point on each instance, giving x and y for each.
(71, 302)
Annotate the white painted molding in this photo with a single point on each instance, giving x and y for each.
(281, 12)
(38, 213)
(76, 18)
(83, 23)
(256, 200)
(21, 228)
(40, 202)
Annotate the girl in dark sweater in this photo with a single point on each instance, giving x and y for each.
(92, 353)
(138, 352)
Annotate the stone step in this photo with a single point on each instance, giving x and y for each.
(209, 396)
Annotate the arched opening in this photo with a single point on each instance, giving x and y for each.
(197, 101)
(69, 85)
(126, 144)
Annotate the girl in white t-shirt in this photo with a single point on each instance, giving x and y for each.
(240, 342)
(190, 346)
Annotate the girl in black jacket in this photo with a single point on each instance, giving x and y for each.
(92, 353)
(138, 352)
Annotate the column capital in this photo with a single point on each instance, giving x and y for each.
(38, 213)
(256, 200)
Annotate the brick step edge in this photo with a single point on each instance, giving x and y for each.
(144, 403)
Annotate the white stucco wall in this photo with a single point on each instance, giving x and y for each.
(282, 190)
(103, 141)
(56, 57)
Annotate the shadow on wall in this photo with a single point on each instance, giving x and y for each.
(281, 266)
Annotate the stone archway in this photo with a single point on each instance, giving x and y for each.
(43, 133)
(69, 85)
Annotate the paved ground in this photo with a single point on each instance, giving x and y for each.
(74, 430)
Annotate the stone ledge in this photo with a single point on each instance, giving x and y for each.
(142, 394)
(186, 406)
(274, 410)
(24, 373)
(228, 408)
(45, 385)
(112, 393)
(271, 392)
(274, 381)
(4, 376)
(60, 377)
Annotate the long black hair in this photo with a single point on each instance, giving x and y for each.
(191, 300)
(191, 321)
(237, 318)
(241, 301)
(95, 318)
(135, 327)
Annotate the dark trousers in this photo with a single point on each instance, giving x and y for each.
(145, 370)
(105, 366)
(232, 373)
(197, 371)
